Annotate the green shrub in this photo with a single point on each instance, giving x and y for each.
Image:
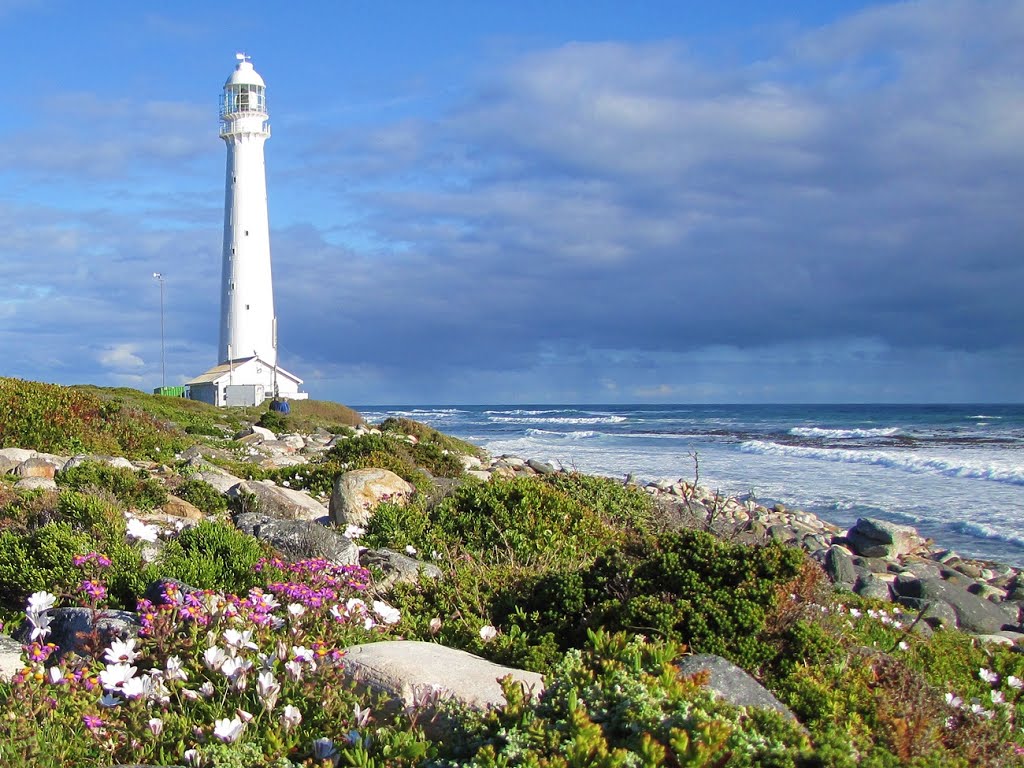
(211, 555)
(40, 560)
(623, 506)
(133, 488)
(426, 434)
(275, 421)
(203, 496)
(91, 513)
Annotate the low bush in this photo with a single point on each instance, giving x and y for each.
(211, 555)
(203, 496)
(135, 489)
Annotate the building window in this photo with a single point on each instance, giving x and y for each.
(246, 306)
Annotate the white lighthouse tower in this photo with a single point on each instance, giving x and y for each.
(247, 371)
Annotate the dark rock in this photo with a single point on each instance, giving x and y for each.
(731, 683)
(397, 568)
(781, 533)
(871, 565)
(839, 567)
(871, 587)
(972, 613)
(71, 629)
(880, 538)
(299, 539)
(937, 613)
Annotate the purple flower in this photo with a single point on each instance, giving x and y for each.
(92, 722)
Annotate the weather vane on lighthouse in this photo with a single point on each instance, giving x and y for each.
(247, 371)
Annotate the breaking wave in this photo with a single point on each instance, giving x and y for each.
(906, 462)
(580, 434)
(557, 419)
(841, 434)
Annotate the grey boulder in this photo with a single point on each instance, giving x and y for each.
(299, 539)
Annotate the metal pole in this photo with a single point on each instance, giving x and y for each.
(163, 367)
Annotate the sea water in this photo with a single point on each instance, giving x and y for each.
(956, 473)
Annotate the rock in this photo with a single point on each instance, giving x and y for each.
(782, 533)
(275, 501)
(71, 627)
(879, 538)
(11, 660)
(972, 613)
(37, 466)
(219, 479)
(176, 507)
(113, 461)
(873, 588)
(470, 463)
(17, 455)
(541, 467)
(731, 683)
(406, 669)
(299, 539)
(37, 483)
(295, 442)
(358, 492)
(397, 568)
(994, 639)
(839, 567)
(986, 592)
(261, 432)
(479, 474)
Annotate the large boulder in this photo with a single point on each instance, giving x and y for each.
(176, 507)
(870, 537)
(38, 466)
(839, 566)
(71, 628)
(358, 492)
(973, 613)
(409, 671)
(15, 456)
(218, 478)
(731, 683)
(299, 539)
(275, 501)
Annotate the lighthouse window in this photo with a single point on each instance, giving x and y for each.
(246, 306)
(247, 233)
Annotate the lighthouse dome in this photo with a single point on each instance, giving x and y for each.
(244, 74)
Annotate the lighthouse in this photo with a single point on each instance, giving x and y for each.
(247, 371)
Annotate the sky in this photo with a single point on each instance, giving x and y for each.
(578, 201)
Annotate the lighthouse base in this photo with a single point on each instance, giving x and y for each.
(245, 382)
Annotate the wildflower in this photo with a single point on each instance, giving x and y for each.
(1014, 682)
(855, 613)
(236, 640)
(954, 701)
(39, 602)
(121, 651)
(294, 669)
(109, 700)
(290, 717)
(388, 614)
(267, 688)
(997, 697)
(139, 530)
(114, 677)
(94, 589)
(295, 610)
(214, 658)
(228, 731)
(301, 653)
(488, 633)
(361, 715)
(55, 675)
(323, 749)
(92, 722)
(410, 549)
(435, 625)
(980, 711)
(903, 645)
(155, 725)
(175, 669)
(191, 757)
(40, 625)
(988, 675)
(206, 690)
(353, 531)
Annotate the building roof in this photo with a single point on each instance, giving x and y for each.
(244, 73)
(219, 372)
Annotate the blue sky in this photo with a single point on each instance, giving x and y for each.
(531, 202)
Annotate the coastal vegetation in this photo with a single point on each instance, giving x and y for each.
(239, 656)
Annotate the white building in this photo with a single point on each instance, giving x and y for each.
(248, 371)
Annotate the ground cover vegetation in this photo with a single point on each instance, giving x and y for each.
(565, 574)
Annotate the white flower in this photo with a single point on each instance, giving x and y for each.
(295, 610)
(38, 602)
(267, 688)
(191, 757)
(139, 530)
(114, 677)
(155, 725)
(214, 658)
(361, 715)
(228, 730)
(206, 690)
(237, 641)
(290, 717)
(355, 605)
(134, 687)
(954, 701)
(410, 549)
(903, 645)
(302, 654)
(855, 613)
(293, 669)
(988, 675)
(121, 651)
(435, 625)
(488, 633)
(388, 614)
(997, 697)
(1014, 682)
(175, 669)
(40, 625)
(353, 531)
(980, 711)
(55, 675)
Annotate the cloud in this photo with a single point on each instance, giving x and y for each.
(121, 357)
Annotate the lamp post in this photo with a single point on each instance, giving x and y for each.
(163, 368)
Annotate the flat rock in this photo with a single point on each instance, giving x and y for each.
(176, 507)
(299, 539)
(17, 455)
(37, 483)
(542, 467)
(358, 492)
(219, 479)
(277, 501)
(731, 683)
(404, 669)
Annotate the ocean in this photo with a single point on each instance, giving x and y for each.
(955, 472)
